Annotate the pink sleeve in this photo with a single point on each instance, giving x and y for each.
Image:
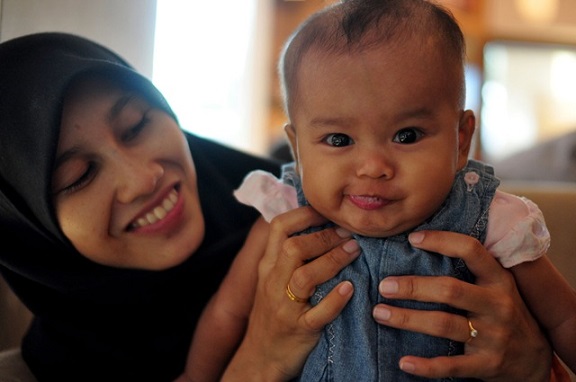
(516, 230)
(267, 194)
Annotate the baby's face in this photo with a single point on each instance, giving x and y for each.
(125, 185)
(379, 136)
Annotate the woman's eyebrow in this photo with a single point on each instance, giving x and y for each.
(118, 106)
(66, 155)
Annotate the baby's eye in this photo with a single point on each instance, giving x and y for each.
(338, 140)
(408, 135)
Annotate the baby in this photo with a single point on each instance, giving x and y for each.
(374, 91)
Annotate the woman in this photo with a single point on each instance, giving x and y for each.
(91, 160)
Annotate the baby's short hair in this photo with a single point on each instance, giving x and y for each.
(356, 25)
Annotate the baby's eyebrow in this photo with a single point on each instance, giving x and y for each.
(118, 106)
(344, 122)
(416, 113)
(331, 121)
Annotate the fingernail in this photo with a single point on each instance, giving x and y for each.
(416, 237)
(388, 286)
(351, 246)
(407, 366)
(381, 313)
(346, 288)
(343, 233)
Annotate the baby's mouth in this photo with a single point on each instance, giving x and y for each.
(368, 202)
(157, 213)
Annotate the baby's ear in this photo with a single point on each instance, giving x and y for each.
(466, 128)
(291, 134)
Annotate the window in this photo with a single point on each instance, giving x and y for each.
(205, 63)
(528, 96)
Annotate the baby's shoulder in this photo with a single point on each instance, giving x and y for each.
(509, 207)
(516, 227)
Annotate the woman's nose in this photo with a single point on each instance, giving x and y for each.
(137, 178)
(375, 163)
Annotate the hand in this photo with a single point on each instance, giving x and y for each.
(509, 345)
(281, 332)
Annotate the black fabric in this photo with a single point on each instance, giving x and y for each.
(97, 323)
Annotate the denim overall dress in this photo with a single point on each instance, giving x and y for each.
(354, 347)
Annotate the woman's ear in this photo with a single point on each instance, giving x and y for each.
(466, 128)
(291, 134)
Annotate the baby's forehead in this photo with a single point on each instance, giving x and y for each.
(407, 49)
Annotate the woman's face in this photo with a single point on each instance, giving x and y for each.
(124, 183)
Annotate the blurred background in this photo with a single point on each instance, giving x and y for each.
(216, 63)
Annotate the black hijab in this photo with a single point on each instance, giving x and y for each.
(94, 322)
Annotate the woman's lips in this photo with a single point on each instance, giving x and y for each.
(159, 212)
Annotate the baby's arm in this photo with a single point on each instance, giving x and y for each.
(223, 322)
(553, 302)
(548, 295)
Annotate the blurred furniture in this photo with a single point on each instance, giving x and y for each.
(553, 160)
(14, 318)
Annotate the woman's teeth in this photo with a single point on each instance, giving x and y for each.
(159, 212)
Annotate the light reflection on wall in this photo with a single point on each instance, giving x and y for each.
(201, 63)
(527, 96)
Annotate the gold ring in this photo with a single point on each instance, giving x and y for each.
(473, 332)
(292, 296)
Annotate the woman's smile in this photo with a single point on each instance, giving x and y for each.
(157, 213)
(163, 216)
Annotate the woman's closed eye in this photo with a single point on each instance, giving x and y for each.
(132, 132)
(408, 135)
(129, 116)
(338, 140)
(73, 177)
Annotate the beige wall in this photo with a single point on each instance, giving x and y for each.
(125, 26)
(504, 19)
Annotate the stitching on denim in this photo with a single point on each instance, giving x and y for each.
(328, 330)
(331, 344)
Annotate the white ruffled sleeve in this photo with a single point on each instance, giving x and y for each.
(516, 230)
(268, 194)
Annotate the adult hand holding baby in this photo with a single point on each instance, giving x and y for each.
(509, 345)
